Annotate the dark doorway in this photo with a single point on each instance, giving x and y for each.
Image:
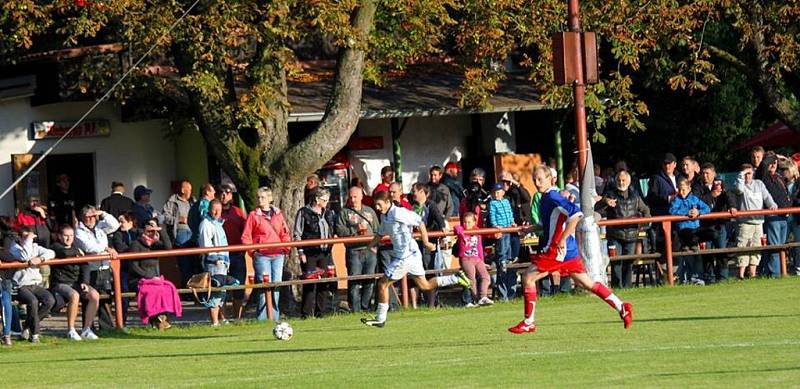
(80, 170)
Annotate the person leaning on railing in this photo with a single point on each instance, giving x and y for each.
(775, 226)
(753, 196)
(156, 296)
(358, 220)
(690, 234)
(211, 234)
(622, 202)
(316, 221)
(266, 224)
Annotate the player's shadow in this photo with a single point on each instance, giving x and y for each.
(188, 355)
(687, 318)
(720, 372)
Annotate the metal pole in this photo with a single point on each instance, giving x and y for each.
(559, 154)
(579, 88)
(667, 227)
(404, 290)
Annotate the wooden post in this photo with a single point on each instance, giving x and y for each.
(268, 297)
(784, 271)
(667, 227)
(116, 268)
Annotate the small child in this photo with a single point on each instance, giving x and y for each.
(501, 215)
(687, 204)
(470, 254)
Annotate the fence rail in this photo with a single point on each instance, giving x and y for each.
(666, 223)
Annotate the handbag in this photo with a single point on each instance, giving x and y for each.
(200, 281)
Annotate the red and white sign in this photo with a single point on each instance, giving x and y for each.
(88, 128)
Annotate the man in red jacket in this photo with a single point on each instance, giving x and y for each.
(234, 219)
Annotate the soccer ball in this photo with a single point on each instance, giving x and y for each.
(283, 331)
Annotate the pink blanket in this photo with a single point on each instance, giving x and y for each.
(157, 296)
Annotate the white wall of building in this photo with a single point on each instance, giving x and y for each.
(135, 153)
(425, 141)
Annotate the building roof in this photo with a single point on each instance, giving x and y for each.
(426, 94)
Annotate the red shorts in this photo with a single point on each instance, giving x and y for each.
(568, 266)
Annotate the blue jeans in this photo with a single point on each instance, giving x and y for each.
(622, 271)
(5, 298)
(776, 228)
(273, 266)
(719, 262)
(506, 283)
(361, 261)
(516, 244)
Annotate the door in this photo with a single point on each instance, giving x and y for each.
(34, 184)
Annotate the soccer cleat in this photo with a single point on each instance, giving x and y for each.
(73, 335)
(463, 280)
(626, 314)
(373, 322)
(522, 328)
(89, 334)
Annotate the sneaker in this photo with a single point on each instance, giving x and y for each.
(485, 301)
(73, 335)
(6, 340)
(34, 339)
(26, 334)
(373, 322)
(463, 280)
(626, 314)
(471, 305)
(89, 334)
(522, 328)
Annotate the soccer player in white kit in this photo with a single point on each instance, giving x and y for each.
(398, 223)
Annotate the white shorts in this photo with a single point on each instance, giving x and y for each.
(398, 268)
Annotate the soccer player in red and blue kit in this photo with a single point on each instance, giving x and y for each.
(560, 253)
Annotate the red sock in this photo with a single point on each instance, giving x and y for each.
(604, 293)
(530, 301)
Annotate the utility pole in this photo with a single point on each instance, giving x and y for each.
(578, 85)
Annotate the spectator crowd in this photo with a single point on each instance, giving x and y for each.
(61, 229)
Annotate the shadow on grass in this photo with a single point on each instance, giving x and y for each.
(737, 371)
(685, 318)
(246, 352)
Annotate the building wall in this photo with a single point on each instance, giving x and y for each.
(135, 153)
(426, 141)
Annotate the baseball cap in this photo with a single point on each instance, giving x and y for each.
(451, 165)
(140, 191)
(669, 157)
(227, 187)
(498, 186)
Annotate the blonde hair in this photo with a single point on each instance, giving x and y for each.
(543, 169)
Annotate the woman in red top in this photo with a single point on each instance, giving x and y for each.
(266, 224)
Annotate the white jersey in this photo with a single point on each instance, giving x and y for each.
(398, 223)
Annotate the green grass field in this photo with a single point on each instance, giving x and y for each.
(733, 335)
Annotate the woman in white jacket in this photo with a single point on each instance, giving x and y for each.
(29, 280)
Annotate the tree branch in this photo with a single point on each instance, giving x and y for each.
(344, 107)
(731, 59)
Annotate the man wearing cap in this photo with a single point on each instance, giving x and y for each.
(663, 187)
(450, 179)
(775, 226)
(142, 208)
(116, 204)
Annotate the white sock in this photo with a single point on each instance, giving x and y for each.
(616, 301)
(443, 281)
(380, 315)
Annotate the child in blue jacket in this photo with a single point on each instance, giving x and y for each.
(687, 204)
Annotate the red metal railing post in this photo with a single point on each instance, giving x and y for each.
(667, 227)
(404, 291)
(784, 272)
(116, 268)
(268, 297)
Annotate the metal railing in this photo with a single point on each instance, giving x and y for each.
(666, 224)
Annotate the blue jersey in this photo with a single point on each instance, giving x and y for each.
(554, 212)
